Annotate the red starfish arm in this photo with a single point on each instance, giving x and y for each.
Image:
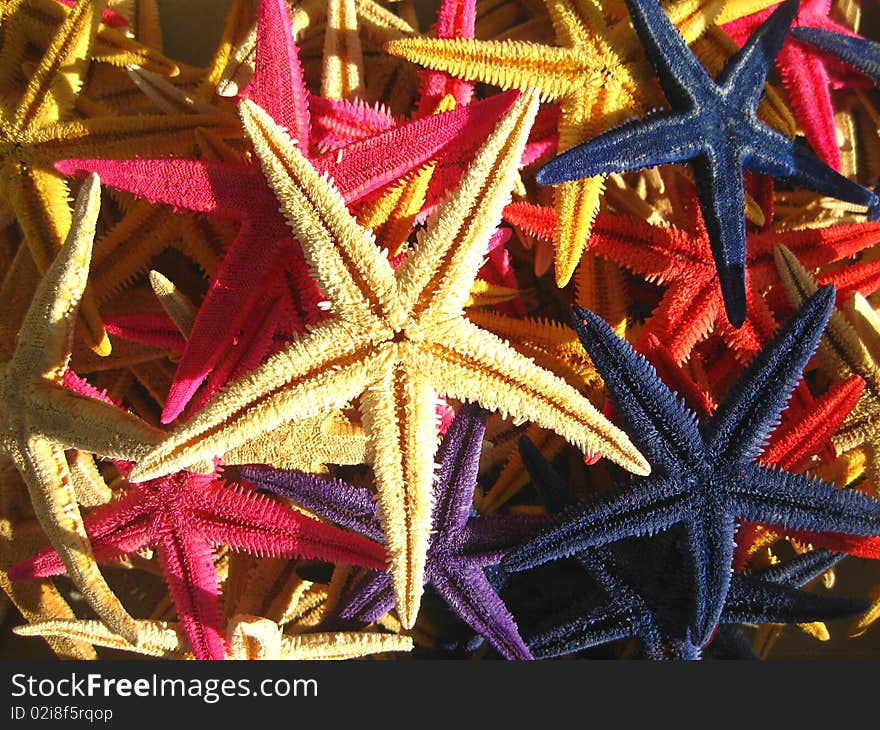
(856, 545)
(339, 122)
(758, 328)
(188, 565)
(252, 522)
(536, 220)
(154, 329)
(278, 84)
(455, 19)
(863, 278)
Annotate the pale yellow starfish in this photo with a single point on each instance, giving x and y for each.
(398, 339)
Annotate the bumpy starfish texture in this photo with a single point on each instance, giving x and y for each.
(397, 338)
(705, 475)
(460, 548)
(40, 418)
(858, 52)
(714, 126)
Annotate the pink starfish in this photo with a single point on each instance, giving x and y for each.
(240, 192)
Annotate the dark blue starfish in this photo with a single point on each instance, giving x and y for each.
(704, 476)
(714, 126)
(462, 545)
(860, 53)
(645, 590)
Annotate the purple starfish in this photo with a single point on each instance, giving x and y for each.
(461, 546)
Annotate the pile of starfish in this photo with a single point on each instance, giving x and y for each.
(476, 328)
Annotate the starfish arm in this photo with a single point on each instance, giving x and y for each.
(485, 539)
(667, 430)
(552, 489)
(473, 365)
(188, 565)
(455, 19)
(331, 499)
(359, 280)
(858, 52)
(370, 599)
(470, 595)
(752, 407)
(343, 68)
(801, 569)
(451, 252)
(343, 645)
(642, 508)
(180, 310)
(304, 380)
(665, 140)
(586, 627)
(399, 419)
(752, 601)
(45, 471)
(774, 497)
(278, 84)
(746, 71)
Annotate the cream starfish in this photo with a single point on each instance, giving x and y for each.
(399, 339)
(39, 417)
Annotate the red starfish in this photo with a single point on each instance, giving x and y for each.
(807, 74)
(239, 191)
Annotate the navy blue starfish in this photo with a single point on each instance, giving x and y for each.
(714, 126)
(704, 476)
(645, 591)
(462, 545)
(859, 53)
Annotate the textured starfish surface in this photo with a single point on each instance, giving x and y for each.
(704, 474)
(264, 251)
(397, 339)
(645, 590)
(858, 52)
(681, 259)
(249, 637)
(183, 516)
(39, 417)
(730, 138)
(805, 73)
(460, 548)
(36, 130)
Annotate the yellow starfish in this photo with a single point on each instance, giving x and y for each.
(343, 72)
(250, 637)
(398, 339)
(39, 417)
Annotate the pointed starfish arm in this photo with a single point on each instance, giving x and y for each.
(661, 141)
(774, 497)
(468, 592)
(342, 645)
(653, 505)
(304, 380)
(452, 251)
(597, 626)
(753, 601)
(359, 279)
(471, 364)
(156, 637)
(370, 599)
(862, 53)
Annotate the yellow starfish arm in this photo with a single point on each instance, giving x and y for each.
(736, 9)
(158, 639)
(343, 70)
(320, 372)
(167, 97)
(471, 364)
(399, 419)
(554, 72)
(176, 304)
(451, 251)
(342, 645)
(577, 23)
(380, 25)
(354, 274)
(89, 486)
(866, 323)
(601, 288)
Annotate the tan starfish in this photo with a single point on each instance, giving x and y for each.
(39, 417)
(398, 340)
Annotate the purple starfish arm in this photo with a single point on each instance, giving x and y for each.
(371, 598)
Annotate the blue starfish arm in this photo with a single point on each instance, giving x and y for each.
(645, 507)
(754, 601)
(744, 74)
(751, 410)
(859, 53)
(682, 77)
(769, 153)
(470, 595)
(661, 426)
(552, 488)
(729, 643)
(770, 496)
(459, 459)
(711, 573)
(487, 538)
(660, 141)
(586, 626)
(800, 570)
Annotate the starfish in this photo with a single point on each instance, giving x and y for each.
(460, 549)
(645, 589)
(34, 134)
(681, 259)
(250, 637)
(704, 474)
(239, 191)
(398, 339)
(805, 73)
(714, 125)
(860, 53)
